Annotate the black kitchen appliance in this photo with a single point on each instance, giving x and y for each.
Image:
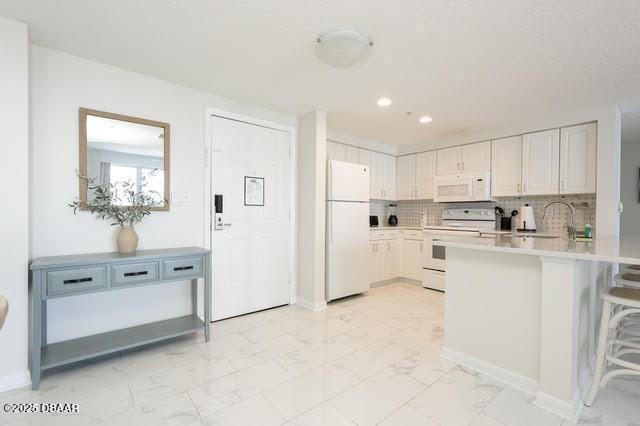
(393, 219)
(373, 220)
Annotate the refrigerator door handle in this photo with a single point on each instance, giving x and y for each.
(331, 225)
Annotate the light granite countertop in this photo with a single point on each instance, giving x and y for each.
(624, 249)
(386, 228)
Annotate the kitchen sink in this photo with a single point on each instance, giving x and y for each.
(536, 236)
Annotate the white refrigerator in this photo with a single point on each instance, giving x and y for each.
(347, 231)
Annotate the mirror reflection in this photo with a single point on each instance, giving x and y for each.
(119, 151)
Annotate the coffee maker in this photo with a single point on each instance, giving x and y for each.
(393, 219)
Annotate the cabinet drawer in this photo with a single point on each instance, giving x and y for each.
(134, 273)
(70, 281)
(182, 268)
(411, 234)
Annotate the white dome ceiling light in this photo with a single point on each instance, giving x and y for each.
(343, 48)
(384, 102)
(425, 119)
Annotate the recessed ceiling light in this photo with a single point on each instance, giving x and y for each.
(384, 102)
(425, 119)
(343, 48)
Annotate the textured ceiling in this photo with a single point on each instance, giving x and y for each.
(471, 65)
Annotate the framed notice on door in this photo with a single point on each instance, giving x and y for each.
(253, 191)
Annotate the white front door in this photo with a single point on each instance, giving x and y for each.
(250, 254)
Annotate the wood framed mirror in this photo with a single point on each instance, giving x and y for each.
(117, 148)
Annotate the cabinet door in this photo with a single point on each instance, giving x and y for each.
(336, 151)
(406, 177)
(578, 159)
(411, 259)
(375, 176)
(541, 162)
(393, 259)
(388, 182)
(365, 158)
(351, 154)
(476, 157)
(425, 172)
(372, 262)
(506, 167)
(380, 266)
(448, 160)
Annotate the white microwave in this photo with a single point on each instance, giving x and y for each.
(462, 187)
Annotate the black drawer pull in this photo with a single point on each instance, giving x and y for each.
(78, 280)
(135, 274)
(183, 268)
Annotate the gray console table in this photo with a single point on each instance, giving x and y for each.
(65, 276)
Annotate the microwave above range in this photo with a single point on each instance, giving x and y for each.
(462, 187)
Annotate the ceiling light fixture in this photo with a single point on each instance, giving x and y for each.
(343, 48)
(383, 102)
(425, 119)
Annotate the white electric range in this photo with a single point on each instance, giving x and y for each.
(456, 224)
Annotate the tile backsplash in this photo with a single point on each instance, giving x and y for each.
(554, 223)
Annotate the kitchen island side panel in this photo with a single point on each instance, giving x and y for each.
(492, 309)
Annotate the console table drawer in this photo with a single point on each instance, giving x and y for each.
(182, 268)
(71, 281)
(133, 273)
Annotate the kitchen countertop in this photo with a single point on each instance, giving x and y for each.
(625, 249)
(386, 228)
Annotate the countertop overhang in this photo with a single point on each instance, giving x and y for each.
(624, 249)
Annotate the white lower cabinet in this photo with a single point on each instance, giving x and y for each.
(412, 259)
(384, 255)
(377, 261)
(395, 253)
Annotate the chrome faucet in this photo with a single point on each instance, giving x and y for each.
(571, 226)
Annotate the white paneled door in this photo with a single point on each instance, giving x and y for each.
(250, 254)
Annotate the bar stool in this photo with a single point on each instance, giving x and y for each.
(4, 309)
(627, 279)
(617, 304)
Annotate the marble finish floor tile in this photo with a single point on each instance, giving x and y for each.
(370, 359)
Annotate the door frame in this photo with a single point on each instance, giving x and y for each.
(210, 112)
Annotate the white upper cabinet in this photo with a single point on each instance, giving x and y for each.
(414, 176)
(336, 151)
(425, 172)
(541, 162)
(382, 174)
(388, 176)
(364, 157)
(506, 167)
(448, 160)
(476, 157)
(340, 152)
(351, 154)
(578, 159)
(406, 177)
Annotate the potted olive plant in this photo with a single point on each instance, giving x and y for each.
(125, 203)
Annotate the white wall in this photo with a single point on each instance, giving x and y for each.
(312, 149)
(608, 155)
(630, 218)
(14, 193)
(61, 84)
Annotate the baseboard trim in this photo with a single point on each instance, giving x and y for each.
(523, 383)
(312, 306)
(15, 381)
(569, 411)
(395, 280)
